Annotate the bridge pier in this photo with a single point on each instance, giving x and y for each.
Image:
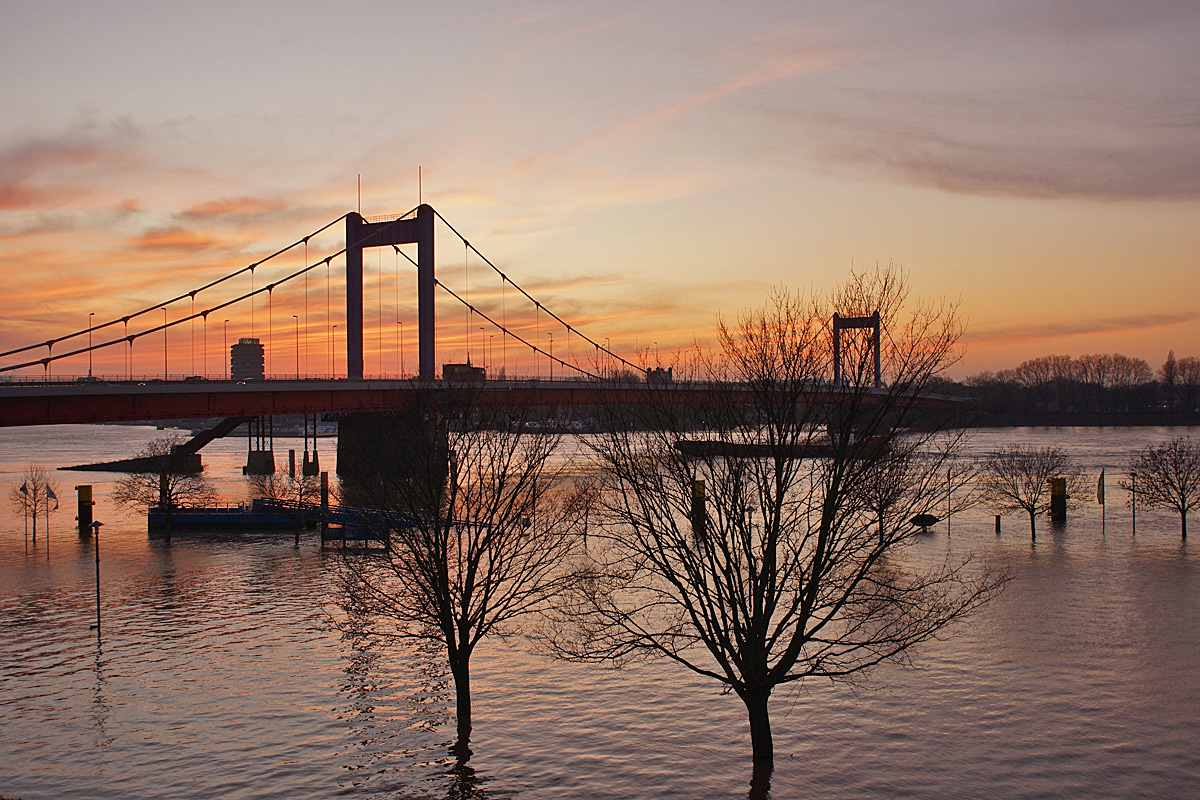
(377, 451)
(260, 447)
(310, 467)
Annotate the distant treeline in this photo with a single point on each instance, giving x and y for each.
(1091, 388)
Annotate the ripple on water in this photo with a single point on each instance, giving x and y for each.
(215, 678)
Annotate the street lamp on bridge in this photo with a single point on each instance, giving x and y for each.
(226, 349)
(90, 315)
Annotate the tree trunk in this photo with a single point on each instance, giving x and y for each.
(760, 782)
(460, 667)
(1032, 526)
(760, 729)
(1183, 523)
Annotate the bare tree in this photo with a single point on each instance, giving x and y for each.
(292, 493)
(1168, 373)
(769, 552)
(1189, 382)
(34, 496)
(1018, 479)
(481, 531)
(1167, 476)
(169, 480)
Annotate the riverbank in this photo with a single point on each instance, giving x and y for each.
(1089, 420)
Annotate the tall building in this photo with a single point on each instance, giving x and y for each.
(246, 360)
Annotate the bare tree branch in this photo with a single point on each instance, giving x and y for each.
(791, 566)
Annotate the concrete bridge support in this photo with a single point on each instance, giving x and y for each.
(260, 448)
(392, 459)
(311, 466)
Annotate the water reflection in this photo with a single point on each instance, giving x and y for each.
(100, 706)
(213, 681)
(760, 783)
(465, 782)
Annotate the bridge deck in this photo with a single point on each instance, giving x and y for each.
(75, 403)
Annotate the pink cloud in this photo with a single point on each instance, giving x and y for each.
(178, 239)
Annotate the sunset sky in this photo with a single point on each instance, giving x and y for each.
(639, 167)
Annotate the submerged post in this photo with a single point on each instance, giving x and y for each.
(324, 505)
(96, 538)
(84, 503)
(1058, 499)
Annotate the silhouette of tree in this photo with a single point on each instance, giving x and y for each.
(1018, 479)
(1189, 382)
(786, 565)
(482, 528)
(168, 480)
(1167, 476)
(1168, 373)
(292, 492)
(36, 495)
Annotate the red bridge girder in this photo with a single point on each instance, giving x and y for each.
(62, 404)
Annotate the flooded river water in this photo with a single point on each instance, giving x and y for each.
(216, 677)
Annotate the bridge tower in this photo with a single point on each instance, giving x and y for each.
(416, 230)
(840, 324)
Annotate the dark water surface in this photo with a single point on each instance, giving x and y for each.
(216, 677)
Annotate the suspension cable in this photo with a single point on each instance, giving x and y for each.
(125, 319)
(504, 329)
(127, 337)
(517, 286)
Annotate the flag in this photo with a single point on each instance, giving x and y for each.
(50, 495)
(1100, 489)
(24, 489)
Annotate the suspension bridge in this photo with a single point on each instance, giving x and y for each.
(330, 353)
(331, 350)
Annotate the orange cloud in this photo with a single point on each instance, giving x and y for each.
(175, 238)
(238, 208)
(16, 196)
(1082, 327)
